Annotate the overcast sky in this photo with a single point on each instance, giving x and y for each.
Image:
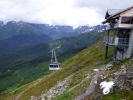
(61, 12)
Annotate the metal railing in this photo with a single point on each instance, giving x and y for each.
(116, 41)
(123, 41)
(108, 40)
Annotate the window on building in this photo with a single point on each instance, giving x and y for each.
(127, 20)
(132, 20)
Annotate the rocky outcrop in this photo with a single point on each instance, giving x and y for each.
(97, 74)
(56, 90)
(124, 78)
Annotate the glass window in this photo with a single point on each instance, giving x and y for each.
(127, 20)
(132, 20)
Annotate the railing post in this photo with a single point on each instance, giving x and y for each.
(106, 52)
(106, 48)
(115, 54)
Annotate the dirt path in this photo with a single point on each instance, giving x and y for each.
(93, 82)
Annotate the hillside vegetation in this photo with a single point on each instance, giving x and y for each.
(22, 64)
(79, 66)
(78, 70)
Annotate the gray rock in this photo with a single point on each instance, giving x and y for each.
(124, 78)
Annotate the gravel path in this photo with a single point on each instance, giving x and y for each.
(97, 73)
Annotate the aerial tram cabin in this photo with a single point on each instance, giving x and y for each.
(54, 63)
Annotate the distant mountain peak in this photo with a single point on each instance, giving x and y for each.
(13, 28)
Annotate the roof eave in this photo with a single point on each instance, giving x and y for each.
(116, 15)
(110, 18)
(104, 22)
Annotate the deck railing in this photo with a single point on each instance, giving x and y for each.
(108, 40)
(116, 41)
(123, 41)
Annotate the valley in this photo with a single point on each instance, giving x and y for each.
(24, 73)
(25, 57)
(76, 78)
(66, 50)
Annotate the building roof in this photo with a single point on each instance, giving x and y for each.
(114, 13)
(111, 12)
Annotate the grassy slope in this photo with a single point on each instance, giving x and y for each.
(119, 95)
(26, 67)
(83, 62)
(79, 65)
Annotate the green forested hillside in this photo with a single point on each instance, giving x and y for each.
(71, 45)
(23, 65)
(77, 69)
(79, 65)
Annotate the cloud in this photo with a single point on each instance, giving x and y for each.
(102, 6)
(26, 10)
(62, 12)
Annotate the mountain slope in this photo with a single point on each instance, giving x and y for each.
(22, 48)
(77, 71)
(74, 44)
(12, 28)
(80, 63)
(27, 47)
(23, 41)
(34, 59)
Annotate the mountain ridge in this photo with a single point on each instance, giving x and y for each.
(13, 28)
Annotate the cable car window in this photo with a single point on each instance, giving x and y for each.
(56, 66)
